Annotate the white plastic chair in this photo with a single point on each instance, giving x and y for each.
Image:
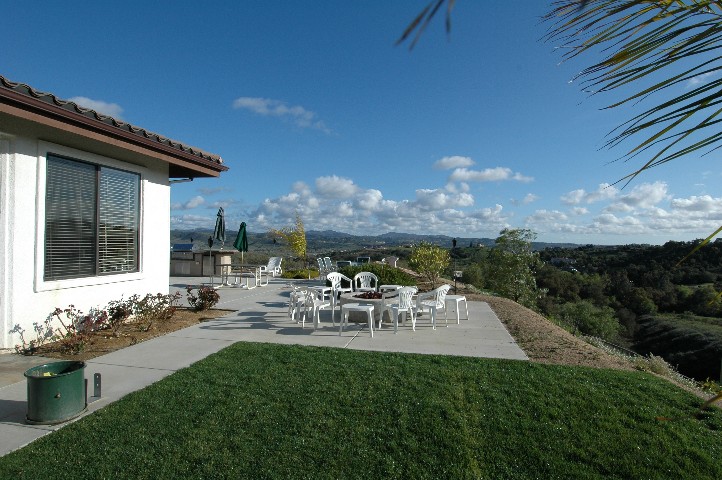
(336, 289)
(365, 282)
(433, 301)
(321, 268)
(328, 264)
(273, 268)
(390, 261)
(314, 302)
(404, 303)
(296, 302)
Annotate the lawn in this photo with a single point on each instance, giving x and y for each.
(274, 411)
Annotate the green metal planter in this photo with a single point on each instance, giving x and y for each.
(56, 392)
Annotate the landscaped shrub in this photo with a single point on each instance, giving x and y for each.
(207, 297)
(429, 260)
(300, 274)
(71, 332)
(153, 307)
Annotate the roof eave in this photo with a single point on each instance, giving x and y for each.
(183, 161)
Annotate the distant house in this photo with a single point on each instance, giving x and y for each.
(84, 206)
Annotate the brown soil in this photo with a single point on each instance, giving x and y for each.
(541, 340)
(545, 342)
(104, 341)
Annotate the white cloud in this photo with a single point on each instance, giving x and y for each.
(448, 163)
(268, 107)
(603, 192)
(194, 202)
(528, 198)
(699, 79)
(111, 109)
(487, 175)
(645, 195)
(705, 203)
(437, 199)
(366, 211)
(335, 187)
(547, 216)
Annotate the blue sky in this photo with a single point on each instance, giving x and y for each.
(316, 111)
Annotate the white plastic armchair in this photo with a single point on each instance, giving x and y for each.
(328, 264)
(397, 302)
(321, 268)
(433, 301)
(365, 282)
(296, 302)
(337, 288)
(314, 301)
(273, 268)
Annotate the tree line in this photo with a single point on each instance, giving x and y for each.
(639, 296)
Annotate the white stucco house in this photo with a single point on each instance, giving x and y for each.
(84, 206)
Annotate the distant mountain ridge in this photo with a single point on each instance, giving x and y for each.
(324, 240)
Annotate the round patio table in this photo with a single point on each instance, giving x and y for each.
(350, 297)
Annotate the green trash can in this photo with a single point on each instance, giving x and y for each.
(56, 392)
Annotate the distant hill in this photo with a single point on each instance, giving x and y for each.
(331, 240)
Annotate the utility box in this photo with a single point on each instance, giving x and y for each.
(56, 392)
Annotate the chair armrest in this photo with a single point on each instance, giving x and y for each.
(423, 296)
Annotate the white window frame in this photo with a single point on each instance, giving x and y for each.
(41, 285)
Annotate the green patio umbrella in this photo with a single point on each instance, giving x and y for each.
(241, 243)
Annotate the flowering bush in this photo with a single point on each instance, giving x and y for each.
(207, 297)
(70, 327)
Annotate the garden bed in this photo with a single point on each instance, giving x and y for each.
(100, 342)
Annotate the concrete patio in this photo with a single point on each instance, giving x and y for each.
(256, 315)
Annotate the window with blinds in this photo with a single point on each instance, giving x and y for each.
(91, 219)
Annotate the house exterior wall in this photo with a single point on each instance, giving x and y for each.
(25, 298)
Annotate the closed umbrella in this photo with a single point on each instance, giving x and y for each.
(219, 233)
(241, 243)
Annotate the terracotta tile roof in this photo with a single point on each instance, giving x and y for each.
(143, 135)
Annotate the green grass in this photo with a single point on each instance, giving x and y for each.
(273, 411)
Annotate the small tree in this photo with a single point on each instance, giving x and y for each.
(295, 237)
(512, 263)
(429, 260)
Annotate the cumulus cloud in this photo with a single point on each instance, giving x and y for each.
(603, 192)
(448, 163)
(700, 79)
(111, 109)
(296, 114)
(646, 195)
(705, 203)
(194, 202)
(545, 216)
(528, 198)
(437, 199)
(188, 222)
(335, 187)
(366, 211)
(487, 175)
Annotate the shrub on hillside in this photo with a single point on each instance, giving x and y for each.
(584, 317)
(387, 275)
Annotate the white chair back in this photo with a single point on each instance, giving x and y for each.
(336, 278)
(365, 281)
(406, 295)
(328, 264)
(441, 295)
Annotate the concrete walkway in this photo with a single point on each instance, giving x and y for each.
(259, 315)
